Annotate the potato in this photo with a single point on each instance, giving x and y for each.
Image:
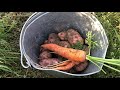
(64, 44)
(49, 61)
(81, 66)
(62, 35)
(45, 55)
(53, 38)
(72, 71)
(73, 37)
(42, 49)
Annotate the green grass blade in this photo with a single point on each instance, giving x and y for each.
(1, 62)
(118, 36)
(5, 68)
(2, 50)
(1, 58)
(11, 57)
(13, 53)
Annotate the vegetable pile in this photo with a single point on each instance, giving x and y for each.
(68, 39)
(69, 47)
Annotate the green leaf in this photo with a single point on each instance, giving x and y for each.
(117, 35)
(90, 42)
(78, 45)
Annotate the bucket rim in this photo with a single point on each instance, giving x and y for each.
(20, 40)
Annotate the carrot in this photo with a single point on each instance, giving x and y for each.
(69, 53)
(66, 67)
(64, 63)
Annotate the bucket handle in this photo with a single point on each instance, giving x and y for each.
(21, 58)
(27, 62)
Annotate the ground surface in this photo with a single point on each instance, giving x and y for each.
(10, 28)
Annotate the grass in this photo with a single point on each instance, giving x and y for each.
(10, 28)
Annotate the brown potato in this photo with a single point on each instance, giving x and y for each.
(46, 42)
(72, 71)
(42, 49)
(81, 66)
(53, 38)
(62, 35)
(49, 61)
(45, 55)
(73, 37)
(64, 44)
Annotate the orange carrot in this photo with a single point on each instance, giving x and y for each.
(69, 53)
(66, 67)
(64, 63)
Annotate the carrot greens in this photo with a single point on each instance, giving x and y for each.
(96, 60)
(105, 62)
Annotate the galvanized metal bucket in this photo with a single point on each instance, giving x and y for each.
(39, 25)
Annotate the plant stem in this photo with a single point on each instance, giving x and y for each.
(96, 65)
(111, 67)
(102, 61)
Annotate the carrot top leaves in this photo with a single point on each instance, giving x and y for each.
(78, 45)
(90, 42)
